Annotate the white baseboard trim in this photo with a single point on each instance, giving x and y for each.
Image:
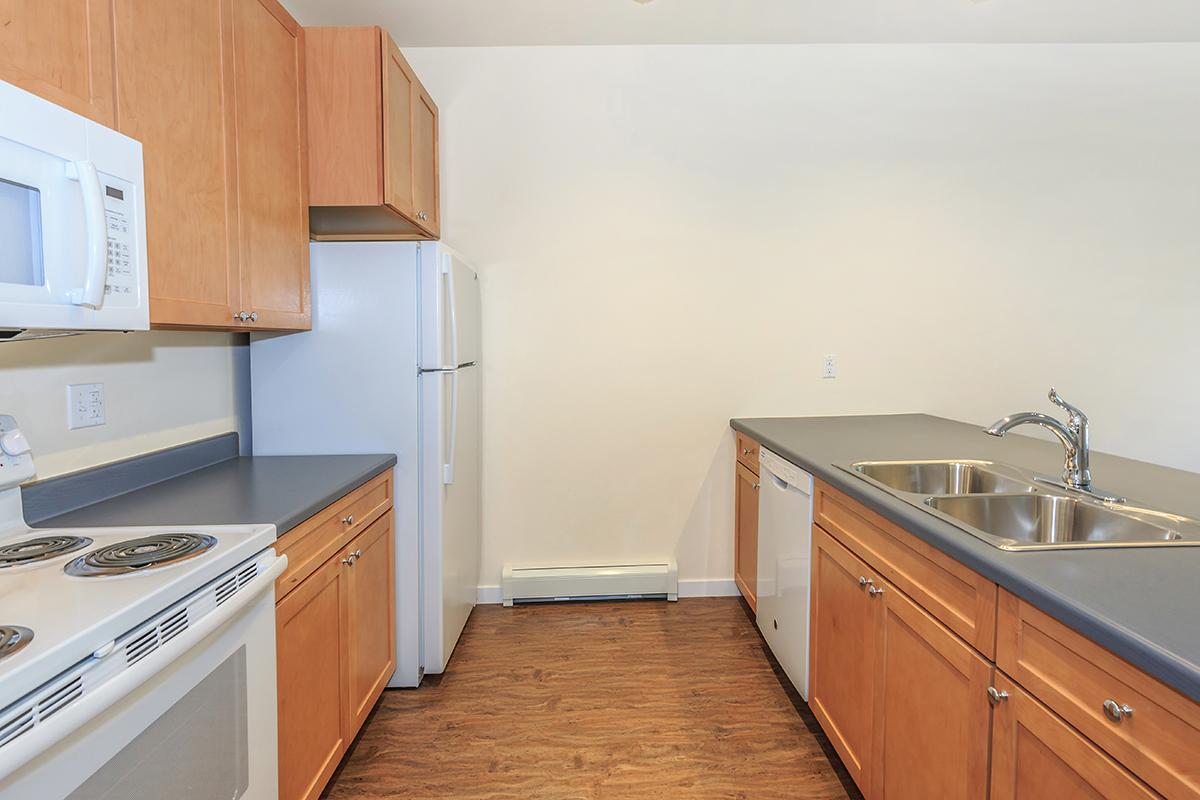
(688, 587)
(488, 595)
(707, 587)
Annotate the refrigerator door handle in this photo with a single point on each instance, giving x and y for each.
(448, 275)
(448, 466)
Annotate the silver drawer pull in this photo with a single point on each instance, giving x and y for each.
(874, 591)
(745, 451)
(350, 559)
(348, 519)
(996, 696)
(1116, 711)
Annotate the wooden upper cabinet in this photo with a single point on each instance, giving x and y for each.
(271, 131)
(61, 50)
(425, 162)
(182, 115)
(372, 137)
(214, 91)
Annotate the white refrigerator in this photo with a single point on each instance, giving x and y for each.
(392, 365)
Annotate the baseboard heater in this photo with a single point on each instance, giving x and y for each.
(658, 580)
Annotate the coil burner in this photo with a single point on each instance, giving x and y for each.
(136, 555)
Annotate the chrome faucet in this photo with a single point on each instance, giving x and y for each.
(1073, 435)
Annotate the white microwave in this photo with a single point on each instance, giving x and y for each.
(72, 222)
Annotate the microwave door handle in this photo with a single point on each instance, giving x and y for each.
(92, 293)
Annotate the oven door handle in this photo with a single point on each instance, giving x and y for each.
(42, 737)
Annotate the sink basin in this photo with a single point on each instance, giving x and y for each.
(941, 477)
(1043, 521)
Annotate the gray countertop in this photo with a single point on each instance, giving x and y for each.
(282, 490)
(1141, 603)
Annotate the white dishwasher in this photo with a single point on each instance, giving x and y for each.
(784, 563)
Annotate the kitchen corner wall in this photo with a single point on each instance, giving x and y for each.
(672, 236)
(161, 389)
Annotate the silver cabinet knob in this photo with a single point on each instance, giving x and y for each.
(348, 519)
(349, 560)
(756, 486)
(254, 316)
(995, 696)
(358, 554)
(874, 591)
(1116, 711)
(241, 316)
(745, 451)
(863, 580)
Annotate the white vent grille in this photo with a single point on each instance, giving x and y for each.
(58, 694)
(605, 581)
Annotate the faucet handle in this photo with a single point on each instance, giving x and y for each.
(1077, 415)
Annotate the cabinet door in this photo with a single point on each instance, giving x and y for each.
(173, 95)
(272, 163)
(1037, 756)
(309, 636)
(425, 162)
(60, 50)
(370, 623)
(843, 640)
(931, 708)
(399, 91)
(745, 535)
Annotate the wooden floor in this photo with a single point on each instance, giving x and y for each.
(598, 700)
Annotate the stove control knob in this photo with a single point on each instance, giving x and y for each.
(14, 443)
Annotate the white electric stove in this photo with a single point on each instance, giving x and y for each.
(134, 662)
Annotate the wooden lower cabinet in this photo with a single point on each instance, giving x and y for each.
(900, 682)
(843, 639)
(370, 620)
(309, 625)
(335, 634)
(930, 698)
(745, 535)
(1037, 756)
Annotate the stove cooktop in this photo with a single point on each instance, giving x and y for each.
(69, 593)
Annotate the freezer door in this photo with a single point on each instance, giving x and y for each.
(451, 508)
(450, 325)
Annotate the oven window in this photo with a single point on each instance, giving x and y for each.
(20, 234)
(196, 750)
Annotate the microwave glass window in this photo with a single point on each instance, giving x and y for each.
(20, 234)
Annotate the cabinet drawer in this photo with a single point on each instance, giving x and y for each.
(747, 452)
(957, 596)
(1075, 677)
(314, 541)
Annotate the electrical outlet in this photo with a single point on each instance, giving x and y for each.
(85, 405)
(829, 366)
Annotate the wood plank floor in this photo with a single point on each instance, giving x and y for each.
(603, 701)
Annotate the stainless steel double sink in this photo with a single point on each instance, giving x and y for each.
(1012, 509)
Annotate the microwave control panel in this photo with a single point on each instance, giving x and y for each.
(121, 285)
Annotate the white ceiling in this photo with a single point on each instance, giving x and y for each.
(418, 23)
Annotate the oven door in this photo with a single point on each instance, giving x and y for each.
(202, 727)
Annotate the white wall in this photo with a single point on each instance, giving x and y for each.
(673, 236)
(161, 389)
